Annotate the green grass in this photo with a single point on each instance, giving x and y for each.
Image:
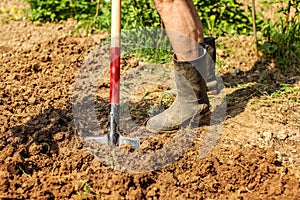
(289, 91)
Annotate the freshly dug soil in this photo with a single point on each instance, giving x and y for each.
(43, 155)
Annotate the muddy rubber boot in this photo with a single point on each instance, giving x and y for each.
(191, 99)
(209, 73)
(207, 70)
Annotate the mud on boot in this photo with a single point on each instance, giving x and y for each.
(191, 99)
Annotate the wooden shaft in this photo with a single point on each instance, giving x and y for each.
(115, 23)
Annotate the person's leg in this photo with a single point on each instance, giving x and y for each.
(184, 30)
(183, 26)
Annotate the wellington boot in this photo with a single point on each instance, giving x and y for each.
(208, 72)
(208, 68)
(191, 99)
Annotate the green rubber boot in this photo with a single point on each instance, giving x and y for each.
(209, 71)
(191, 99)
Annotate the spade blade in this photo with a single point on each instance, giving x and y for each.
(133, 142)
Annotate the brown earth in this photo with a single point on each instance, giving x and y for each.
(43, 156)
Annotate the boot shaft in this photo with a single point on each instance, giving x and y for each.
(190, 84)
(210, 46)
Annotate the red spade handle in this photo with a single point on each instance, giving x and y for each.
(115, 52)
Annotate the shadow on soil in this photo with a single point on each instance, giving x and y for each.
(41, 134)
(264, 78)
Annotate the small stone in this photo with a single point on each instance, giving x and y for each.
(277, 153)
(133, 62)
(61, 66)
(267, 135)
(32, 100)
(59, 136)
(282, 134)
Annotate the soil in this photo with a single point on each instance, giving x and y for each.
(43, 154)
